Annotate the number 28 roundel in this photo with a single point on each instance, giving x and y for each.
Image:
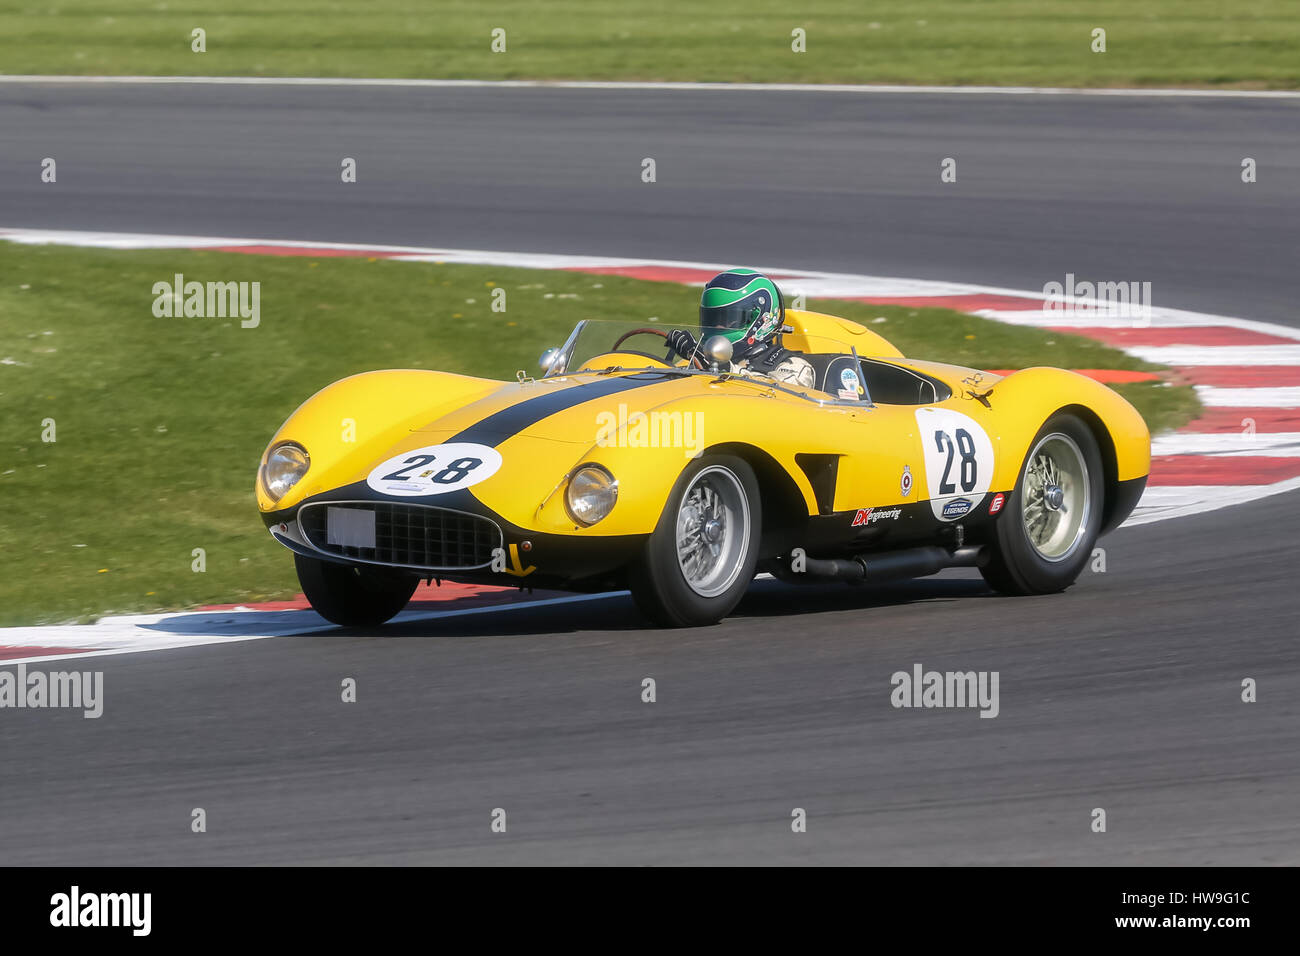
(958, 461)
(434, 470)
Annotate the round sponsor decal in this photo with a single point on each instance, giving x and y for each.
(957, 507)
(434, 470)
(905, 483)
(958, 461)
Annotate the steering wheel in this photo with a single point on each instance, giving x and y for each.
(695, 361)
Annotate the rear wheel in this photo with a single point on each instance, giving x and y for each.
(1046, 533)
(700, 559)
(353, 596)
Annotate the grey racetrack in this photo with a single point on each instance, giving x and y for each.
(1107, 188)
(1124, 693)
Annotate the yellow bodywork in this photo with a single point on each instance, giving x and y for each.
(357, 423)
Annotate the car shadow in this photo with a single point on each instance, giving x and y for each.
(231, 623)
(617, 613)
(614, 612)
(775, 599)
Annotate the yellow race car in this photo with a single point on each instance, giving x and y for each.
(625, 466)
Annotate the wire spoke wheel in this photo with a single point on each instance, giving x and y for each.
(713, 531)
(697, 564)
(1042, 542)
(1057, 500)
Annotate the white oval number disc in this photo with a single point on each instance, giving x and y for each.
(958, 461)
(434, 470)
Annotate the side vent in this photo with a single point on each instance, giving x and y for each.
(822, 472)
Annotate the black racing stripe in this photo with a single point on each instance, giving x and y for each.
(508, 422)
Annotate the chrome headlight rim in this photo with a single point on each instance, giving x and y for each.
(610, 489)
(288, 479)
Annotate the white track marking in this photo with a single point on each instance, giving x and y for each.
(649, 85)
(1075, 320)
(828, 285)
(1214, 397)
(1217, 354)
(1160, 319)
(1162, 503)
(137, 633)
(1231, 444)
(533, 260)
(113, 240)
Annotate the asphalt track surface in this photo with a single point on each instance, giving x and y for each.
(1123, 693)
(1109, 188)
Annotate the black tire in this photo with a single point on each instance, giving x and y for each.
(353, 596)
(658, 582)
(1017, 565)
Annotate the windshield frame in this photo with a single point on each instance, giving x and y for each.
(559, 365)
(560, 362)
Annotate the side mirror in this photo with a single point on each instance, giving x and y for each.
(719, 350)
(548, 359)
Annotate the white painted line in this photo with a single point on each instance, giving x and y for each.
(138, 633)
(1163, 503)
(1228, 444)
(128, 240)
(139, 240)
(1212, 397)
(1161, 318)
(1217, 354)
(110, 240)
(1090, 320)
(649, 85)
(810, 283)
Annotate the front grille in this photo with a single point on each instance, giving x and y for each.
(412, 536)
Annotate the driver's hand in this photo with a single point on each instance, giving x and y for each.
(682, 342)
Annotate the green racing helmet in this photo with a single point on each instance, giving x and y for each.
(743, 306)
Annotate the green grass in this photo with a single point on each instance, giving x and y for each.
(160, 422)
(1247, 43)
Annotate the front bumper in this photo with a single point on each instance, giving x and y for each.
(454, 537)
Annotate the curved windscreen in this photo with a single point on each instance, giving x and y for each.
(833, 373)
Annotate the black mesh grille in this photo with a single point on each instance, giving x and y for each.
(414, 536)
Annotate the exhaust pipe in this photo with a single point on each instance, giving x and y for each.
(889, 565)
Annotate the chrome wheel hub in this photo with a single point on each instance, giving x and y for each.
(1056, 497)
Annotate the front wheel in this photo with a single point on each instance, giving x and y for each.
(1046, 532)
(353, 596)
(701, 556)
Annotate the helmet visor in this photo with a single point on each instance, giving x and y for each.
(723, 319)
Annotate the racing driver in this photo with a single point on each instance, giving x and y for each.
(745, 307)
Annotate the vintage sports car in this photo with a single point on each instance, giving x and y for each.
(624, 466)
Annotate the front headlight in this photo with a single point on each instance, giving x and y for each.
(591, 494)
(285, 465)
